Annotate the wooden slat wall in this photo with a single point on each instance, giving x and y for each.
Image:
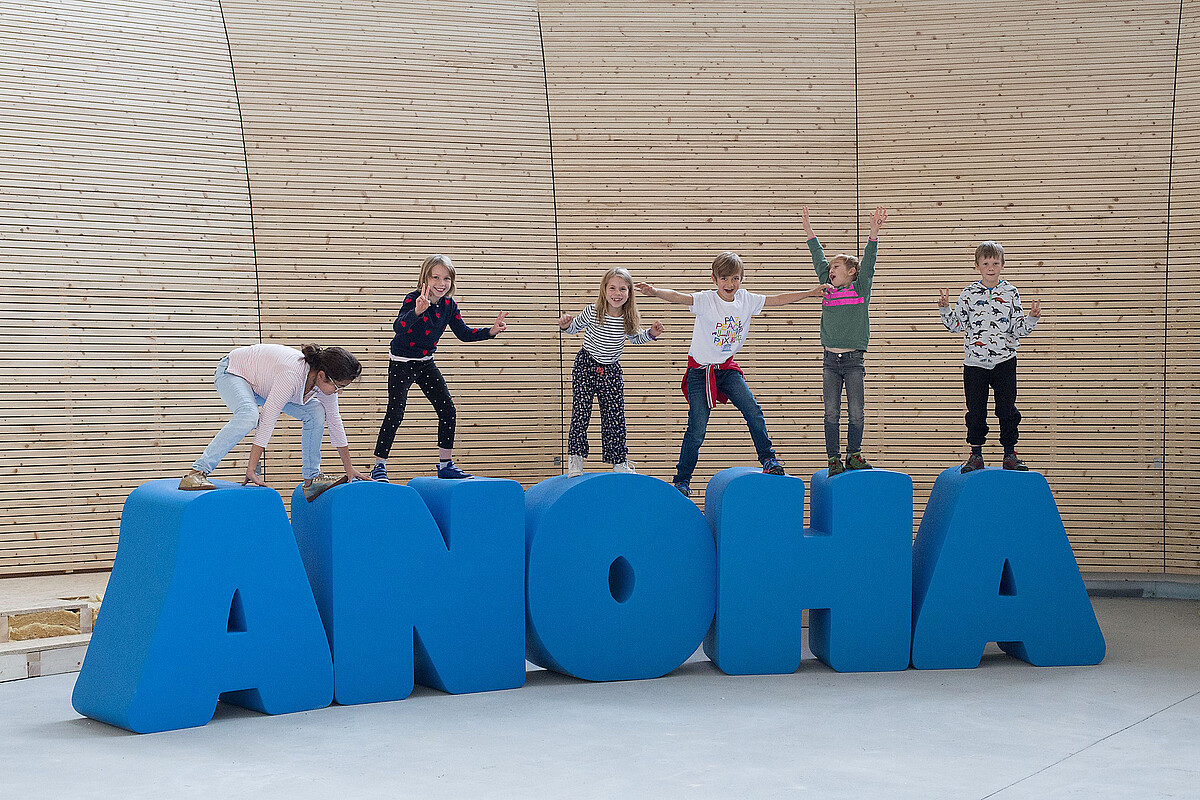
(1045, 125)
(125, 253)
(1182, 427)
(682, 130)
(381, 133)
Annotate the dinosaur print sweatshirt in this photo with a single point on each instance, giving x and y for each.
(991, 321)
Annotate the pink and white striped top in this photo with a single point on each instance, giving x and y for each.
(277, 374)
(843, 296)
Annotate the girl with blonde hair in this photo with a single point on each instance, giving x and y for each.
(606, 325)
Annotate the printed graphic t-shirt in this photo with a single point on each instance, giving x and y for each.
(721, 327)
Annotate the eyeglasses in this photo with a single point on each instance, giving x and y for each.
(336, 386)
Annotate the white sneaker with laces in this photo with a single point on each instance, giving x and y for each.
(574, 466)
(625, 466)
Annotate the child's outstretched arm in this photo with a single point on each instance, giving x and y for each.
(466, 333)
(866, 269)
(670, 295)
(576, 324)
(784, 298)
(814, 248)
(878, 217)
(650, 334)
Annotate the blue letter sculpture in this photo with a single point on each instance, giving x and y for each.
(993, 564)
(413, 596)
(207, 600)
(853, 570)
(619, 576)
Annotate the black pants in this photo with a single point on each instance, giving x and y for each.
(590, 378)
(1002, 379)
(401, 375)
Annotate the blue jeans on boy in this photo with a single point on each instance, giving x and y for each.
(244, 403)
(843, 369)
(733, 385)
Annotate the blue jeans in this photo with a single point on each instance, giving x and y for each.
(244, 403)
(733, 385)
(843, 369)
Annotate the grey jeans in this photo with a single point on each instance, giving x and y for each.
(843, 369)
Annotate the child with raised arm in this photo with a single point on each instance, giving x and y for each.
(606, 325)
(988, 313)
(722, 324)
(419, 326)
(845, 332)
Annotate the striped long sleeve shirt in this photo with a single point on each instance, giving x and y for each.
(605, 342)
(277, 374)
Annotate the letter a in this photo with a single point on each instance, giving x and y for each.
(207, 600)
(992, 564)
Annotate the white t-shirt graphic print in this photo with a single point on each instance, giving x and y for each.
(721, 327)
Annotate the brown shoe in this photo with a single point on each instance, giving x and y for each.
(319, 484)
(195, 481)
(973, 463)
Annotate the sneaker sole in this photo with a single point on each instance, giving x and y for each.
(338, 482)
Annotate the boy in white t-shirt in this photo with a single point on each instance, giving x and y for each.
(722, 324)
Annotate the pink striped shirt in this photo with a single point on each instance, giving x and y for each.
(277, 374)
(843, 296)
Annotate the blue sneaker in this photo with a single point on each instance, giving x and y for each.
(684, 487)
(773, 466)
(451, 471)
(379, 473)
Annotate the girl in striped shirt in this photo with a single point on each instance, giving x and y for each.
(606, 325)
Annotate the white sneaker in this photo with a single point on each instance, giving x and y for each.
(625, 466)
(574, 466)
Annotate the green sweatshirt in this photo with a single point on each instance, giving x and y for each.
(844, 319)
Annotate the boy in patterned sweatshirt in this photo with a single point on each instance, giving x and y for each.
(845, 331)
(988, 314)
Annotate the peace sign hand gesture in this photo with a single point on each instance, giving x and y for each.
(423, 301)
(501, 326)
(943, 298)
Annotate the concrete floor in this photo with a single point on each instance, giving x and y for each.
(1129, 728)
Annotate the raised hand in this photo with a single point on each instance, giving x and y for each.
(645, 288)
(656, 330)
(878, 217)
(423, 302)
(808, 231)
(500, 326)
(1035, 309)
(565, 321)
(944, 298)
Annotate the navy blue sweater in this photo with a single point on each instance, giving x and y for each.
(417, 334)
